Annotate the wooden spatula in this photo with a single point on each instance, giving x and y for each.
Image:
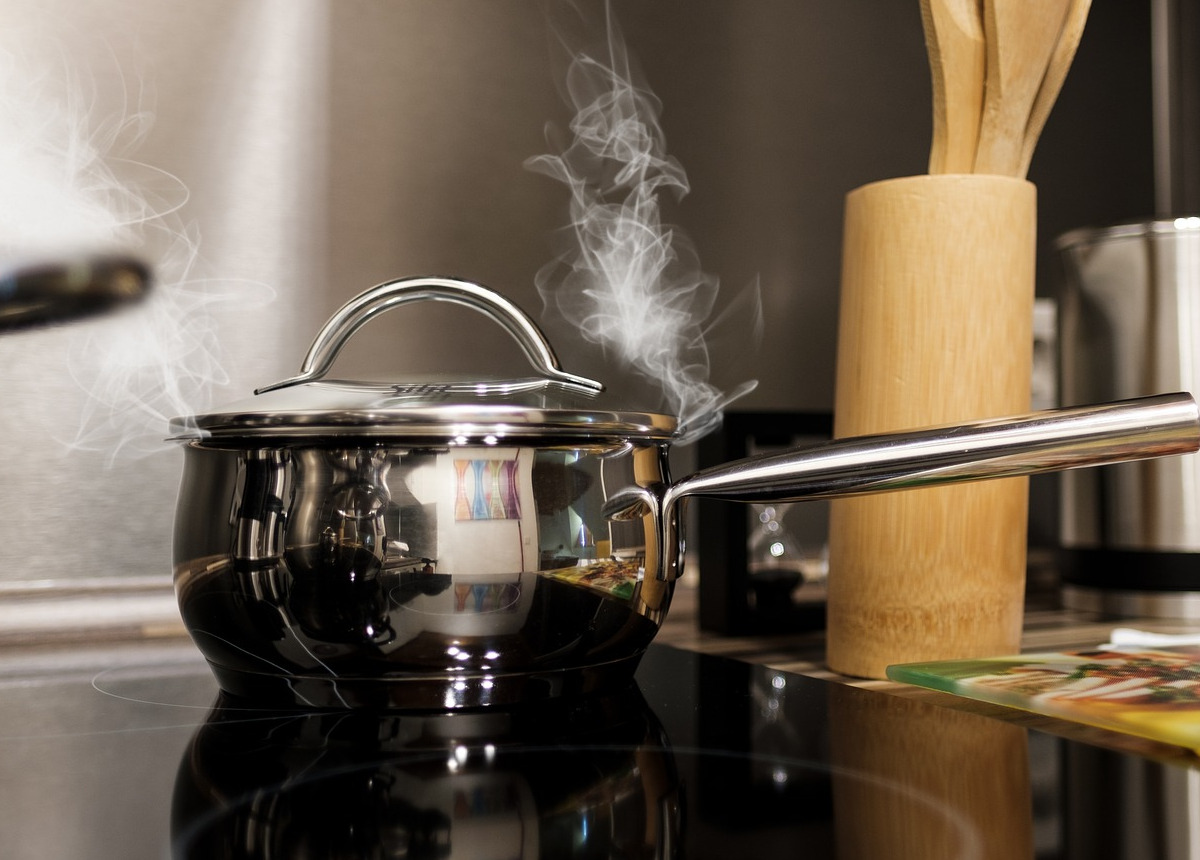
(1056, 73)
(1021, 36)
(954, 41)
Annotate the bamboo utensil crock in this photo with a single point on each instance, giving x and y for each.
(936, 328)
(936, 325)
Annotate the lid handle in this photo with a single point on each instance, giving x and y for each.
(390, 294)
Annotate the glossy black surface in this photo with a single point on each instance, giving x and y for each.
(126, 751)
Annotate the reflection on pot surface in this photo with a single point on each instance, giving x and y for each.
(445, 571)
(593, 778)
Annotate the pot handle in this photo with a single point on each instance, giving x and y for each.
(390, 294)
(1048, 441)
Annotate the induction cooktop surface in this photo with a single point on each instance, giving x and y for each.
(130, 751)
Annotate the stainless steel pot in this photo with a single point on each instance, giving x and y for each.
(1128, 316)
(450, 543)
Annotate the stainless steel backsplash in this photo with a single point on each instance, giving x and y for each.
(326, 146)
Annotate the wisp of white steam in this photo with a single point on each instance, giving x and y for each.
(629, 282)
(58, 189)
(69, 188)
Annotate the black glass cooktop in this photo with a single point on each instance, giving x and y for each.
(129, 752)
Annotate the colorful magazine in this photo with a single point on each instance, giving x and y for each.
(614, 577)
(1153, 693)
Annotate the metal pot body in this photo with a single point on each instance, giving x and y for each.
(418, 576)
(1128, 315)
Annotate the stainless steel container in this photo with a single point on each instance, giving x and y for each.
(1129, 324)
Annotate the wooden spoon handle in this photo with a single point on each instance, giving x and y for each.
(1056, 73)
(1020, 35)
(954, 41)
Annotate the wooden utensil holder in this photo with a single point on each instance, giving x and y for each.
(935, 328)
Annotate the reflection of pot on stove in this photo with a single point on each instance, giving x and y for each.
(591, 777)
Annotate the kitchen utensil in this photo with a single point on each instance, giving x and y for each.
(935, 327)
(1056, 73)
(450, 543)
(1128, 312)
(33, 293)
(1021, 36)
(954, 41)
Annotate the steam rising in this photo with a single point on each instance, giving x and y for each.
(629, 282)
(68, 188)
(57, 186)
(145, 366)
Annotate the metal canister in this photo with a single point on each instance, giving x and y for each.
(1129, 323)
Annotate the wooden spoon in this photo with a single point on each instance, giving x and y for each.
(1020, 35)
(954, 41)
(1056, 73)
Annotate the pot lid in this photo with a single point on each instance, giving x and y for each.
(1087, 236)
(307, 407)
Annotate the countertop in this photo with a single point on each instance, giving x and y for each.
(1048, 628)
(121, 747)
